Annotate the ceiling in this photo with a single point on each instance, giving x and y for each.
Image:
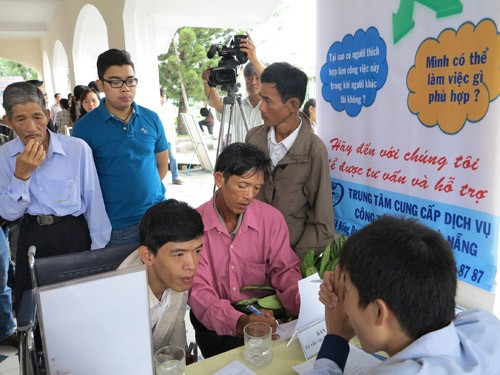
(21, 19)
(25, 19)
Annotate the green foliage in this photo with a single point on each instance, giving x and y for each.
(307, 262)
(258, 287)
(326, 261)
(188, 62)
(246, 302)
(192, 46)
(9, 68)
(270, 302)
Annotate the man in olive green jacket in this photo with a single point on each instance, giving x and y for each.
(300, 183)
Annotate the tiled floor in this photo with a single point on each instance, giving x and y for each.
(197, 189)
(198, 184)
(9, 366)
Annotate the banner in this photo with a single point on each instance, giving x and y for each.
(407, 110)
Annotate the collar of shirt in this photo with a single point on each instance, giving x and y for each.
(441, 341)
(238, 223)
(106, 115)
(158, 307)
(278, 150)
(55, 146)
(247, 101)
(211, 219)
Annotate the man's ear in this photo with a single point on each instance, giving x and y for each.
(219, 179)
(146, 255)
(382, 312)
(47, 114)
(100, 85)
(7, 122)
(294, 104)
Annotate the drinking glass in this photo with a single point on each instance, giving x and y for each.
(170, 360)
(257, 352)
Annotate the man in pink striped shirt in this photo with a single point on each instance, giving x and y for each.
(245, 242)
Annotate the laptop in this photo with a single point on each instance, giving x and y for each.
(97, 324)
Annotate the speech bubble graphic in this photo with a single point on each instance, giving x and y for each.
(355, 70)
(456, 76)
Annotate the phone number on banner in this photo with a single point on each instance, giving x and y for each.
(470, 274)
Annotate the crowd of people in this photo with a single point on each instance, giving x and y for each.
(102, 187)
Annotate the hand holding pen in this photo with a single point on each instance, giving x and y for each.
(265, 316)
(259, 312)
(268, 315)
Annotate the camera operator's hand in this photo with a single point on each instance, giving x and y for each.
(248, 46)
(211, 93)
(205, 74)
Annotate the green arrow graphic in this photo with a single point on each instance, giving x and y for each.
(402, 21)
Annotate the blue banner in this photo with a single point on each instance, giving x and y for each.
(473, 235)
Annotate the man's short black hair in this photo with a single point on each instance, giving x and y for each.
(291, 82)
(112, 57)
(35, 82)
(64, 103)
(169, 221)
(238, 159)
(409, 266)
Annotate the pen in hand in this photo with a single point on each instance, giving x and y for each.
(258, 312)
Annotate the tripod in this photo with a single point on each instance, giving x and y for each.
(229, 101)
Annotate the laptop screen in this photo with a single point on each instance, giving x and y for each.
(98, 324)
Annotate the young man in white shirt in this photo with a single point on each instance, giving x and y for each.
(170, 244)
(395, 289)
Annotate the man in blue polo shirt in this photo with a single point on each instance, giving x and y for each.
(129, 146)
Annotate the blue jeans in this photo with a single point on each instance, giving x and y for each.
(174, 168)
(7, 325)
(124, 236)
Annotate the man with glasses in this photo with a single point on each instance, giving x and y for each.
(129, 146)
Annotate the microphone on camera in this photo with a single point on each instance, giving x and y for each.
(212, 51)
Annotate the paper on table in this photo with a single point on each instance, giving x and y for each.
(311, 309)
(286, 330)
(303, 367)
(234, 368)
(358, 363)
(311, 338)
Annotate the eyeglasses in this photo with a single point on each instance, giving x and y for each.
(118, 83)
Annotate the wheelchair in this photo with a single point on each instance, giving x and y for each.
(50, 270)
(6, 134)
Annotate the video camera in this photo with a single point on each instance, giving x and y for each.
(226, 72)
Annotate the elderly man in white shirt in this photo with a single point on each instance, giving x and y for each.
(250, 104)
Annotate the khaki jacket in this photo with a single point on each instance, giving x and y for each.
(170, 329)
(300, 188)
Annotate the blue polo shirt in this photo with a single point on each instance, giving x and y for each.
(125, 160)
